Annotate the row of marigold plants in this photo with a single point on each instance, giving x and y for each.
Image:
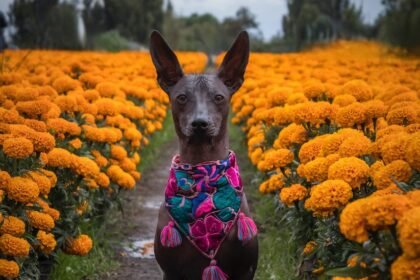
(335, 134)
(72, 127)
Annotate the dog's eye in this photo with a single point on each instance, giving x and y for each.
(182, 98)
(219, 98)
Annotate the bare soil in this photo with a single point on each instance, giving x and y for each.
(139, 219)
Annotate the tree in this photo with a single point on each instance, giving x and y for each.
(310, 21)
(44, 24)
(400, 24)
(205, 32)
(231, 26)
(134, 19)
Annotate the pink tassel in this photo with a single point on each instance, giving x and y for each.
(170, 236)
(213, 272)
(246, 228)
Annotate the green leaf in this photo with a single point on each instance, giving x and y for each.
(354, 272)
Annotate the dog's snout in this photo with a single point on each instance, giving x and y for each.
(200, 124)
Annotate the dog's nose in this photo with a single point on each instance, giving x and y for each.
(199, 124)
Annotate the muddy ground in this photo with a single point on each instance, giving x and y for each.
(139, 218)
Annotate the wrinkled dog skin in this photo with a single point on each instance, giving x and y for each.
(200, 107)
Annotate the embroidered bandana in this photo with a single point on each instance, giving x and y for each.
(204, 203)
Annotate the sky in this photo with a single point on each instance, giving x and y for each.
(268, 13)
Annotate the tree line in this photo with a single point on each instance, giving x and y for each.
(121, 24)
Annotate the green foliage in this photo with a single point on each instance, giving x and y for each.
(206, 32)
(110, 41)
(400, 24)
(101, 227)
(278, 247)
(44, 24)
(311, 21)
(134, 19)
(99, 260)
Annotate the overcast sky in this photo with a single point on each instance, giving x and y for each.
(268, 13)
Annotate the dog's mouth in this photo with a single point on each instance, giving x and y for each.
(201, 135)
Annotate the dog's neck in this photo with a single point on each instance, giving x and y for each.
(194, 152)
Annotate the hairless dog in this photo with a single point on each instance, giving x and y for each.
(200, 107)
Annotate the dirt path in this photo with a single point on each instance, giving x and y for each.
(137, 225)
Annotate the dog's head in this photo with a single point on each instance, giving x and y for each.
(200, 102)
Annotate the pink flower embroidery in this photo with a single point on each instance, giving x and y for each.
(207, 233)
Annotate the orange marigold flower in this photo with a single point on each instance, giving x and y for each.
(47, 242)
(40, 220)
(4, 180)
(123, 179)
(412, 151)
(274, 183)
(127, 165)
(344, 100)
(42, 141)
(60, 125)
(108, 107)
(43, 182)
(22, 190)
(352, 170)
(398, 170)
(64, 84)
(405, 269)
(79, 246)
(118, 152)
(394, 147)
(33, 108)
(135, 174)
(293, 194)
(403, 115)
(296, 98)
(372, 214)
(374, 109)
(311, 149)
(103, 180)
(389, 130)
(9, 269)
(355, 146)
(314, 89)
(59, 157)
(359, 89)
(14, 246)
(36, 125)
(85, 167)
(309, 247)
(292, 134)
(317, 170)
(91, 94)
(332, 143)
(108, 89)
(51, 176)
(12, 225)
(409, 233)
(18, 147)
(414, 196)
(351, 115)
(43, 158)
(273, 159)
(76, 143)
(328, 196)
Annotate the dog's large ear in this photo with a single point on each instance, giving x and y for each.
(168, 69)
(232, 69)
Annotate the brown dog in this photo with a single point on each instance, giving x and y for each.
(200, 107)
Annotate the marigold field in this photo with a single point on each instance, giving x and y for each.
(72, 128)
(335, 133)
